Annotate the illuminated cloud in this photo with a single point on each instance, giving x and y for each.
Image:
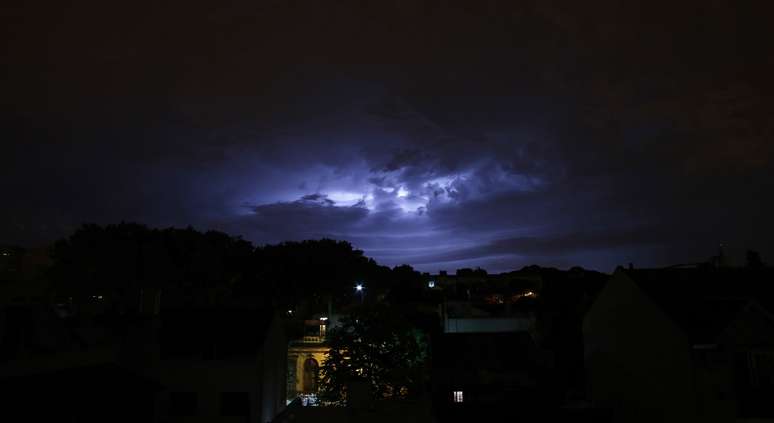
(477, 152)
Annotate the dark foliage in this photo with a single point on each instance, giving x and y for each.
(376, 345)
(192, 268)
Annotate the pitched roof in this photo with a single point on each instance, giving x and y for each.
(224, 332)
(701, 302)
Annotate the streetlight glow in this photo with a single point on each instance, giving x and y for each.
(359, 287)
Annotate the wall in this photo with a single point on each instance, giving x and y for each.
(297, 355)
(481, 325)
(274, 371)
(638, 362)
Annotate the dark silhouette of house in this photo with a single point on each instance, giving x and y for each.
(82, 393)
(51, 369)
(488, 375)
(205, 364)
(681, 345)
(220, 364)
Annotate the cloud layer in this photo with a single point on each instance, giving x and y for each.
(548, 132)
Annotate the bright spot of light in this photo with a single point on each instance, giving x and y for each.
(345, 198)
(359, 287)
(457, 396)
(402, 192)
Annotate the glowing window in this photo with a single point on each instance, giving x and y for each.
(457, 396)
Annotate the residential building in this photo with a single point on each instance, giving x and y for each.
(677, 345)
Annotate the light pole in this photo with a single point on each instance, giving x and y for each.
(360, 289)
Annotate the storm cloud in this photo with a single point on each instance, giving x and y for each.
(498, 135)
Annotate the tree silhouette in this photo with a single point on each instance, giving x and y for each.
(377, 346)
(754, 260)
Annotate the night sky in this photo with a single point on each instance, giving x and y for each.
(438, 134)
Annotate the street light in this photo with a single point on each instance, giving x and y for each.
(359, 288)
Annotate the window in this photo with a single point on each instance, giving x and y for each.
(234, 404)
(309, 380)
(457, 396)
(182, 403)
(755, 369)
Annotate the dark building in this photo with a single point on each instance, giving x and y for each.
(82, 393)
(682, 345)
(488, 375)
(209, 364)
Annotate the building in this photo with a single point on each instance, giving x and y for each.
(305, 355)
(481, 376)
(676, 345)
(187, 365)
(52, 370)
(220, 365)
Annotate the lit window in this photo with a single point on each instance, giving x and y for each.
(457, 396)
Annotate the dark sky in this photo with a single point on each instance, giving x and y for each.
(439, 134)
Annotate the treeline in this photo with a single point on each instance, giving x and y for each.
(191, 268)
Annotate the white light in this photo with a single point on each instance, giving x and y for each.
(457, 396)
(358, 287)
(431, 284)
(345, 198)
(323, 318)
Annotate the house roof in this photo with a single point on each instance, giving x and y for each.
(492, 351)
(229, 332)
(93, 377)
(701, 302)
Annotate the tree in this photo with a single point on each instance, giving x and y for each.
(314, 270)
(754, 260)
(375, 345)
(120, 261)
